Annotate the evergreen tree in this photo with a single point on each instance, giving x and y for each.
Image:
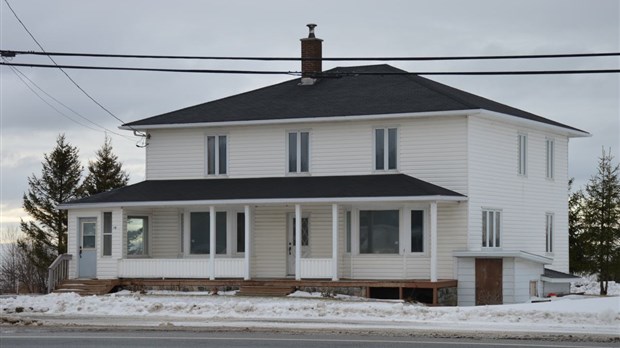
(578, 262)
(600, 216)
(46, 234)
(105, 172)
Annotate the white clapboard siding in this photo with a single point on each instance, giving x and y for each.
(313, 268)
(466, 276)
(175, 153)
(162, 268)
(525, 272)
(229, 267)
(165, 233)
(107, 266)
(524, 200)
(269, 241)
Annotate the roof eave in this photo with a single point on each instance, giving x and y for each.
(504, 253)
(435, 198)
(449, 113)
(569, 132)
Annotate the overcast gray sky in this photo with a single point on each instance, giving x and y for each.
(273, 28)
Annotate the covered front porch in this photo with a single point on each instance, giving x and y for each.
(378, 227)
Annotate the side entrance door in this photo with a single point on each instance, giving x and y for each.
(87, 244)
(291, 242)
(489, 281)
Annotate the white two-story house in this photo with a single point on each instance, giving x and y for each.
(354, 174)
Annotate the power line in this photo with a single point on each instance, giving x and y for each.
(320, 74)
(23, 76)
(61, 68)
(11, 53)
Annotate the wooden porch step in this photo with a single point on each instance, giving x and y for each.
(86, 286)
(269, 291)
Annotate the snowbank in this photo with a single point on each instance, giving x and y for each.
(589, 286)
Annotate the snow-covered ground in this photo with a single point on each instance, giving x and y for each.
(570, 314)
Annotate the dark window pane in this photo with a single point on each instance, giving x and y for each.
(210, 155)
(497, 229)
(484, 228)
(417, 231)
(305, 151)
(379, 149)
(222, 154)
(107, 234)
(379, 231)
(348, 223)
(240, 232)
(199, 233)
(392, 148)
(220, 232)
(107, 245)
(107, 222)
(292, 152)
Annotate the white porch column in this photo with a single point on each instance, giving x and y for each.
(334, 241)
(212, 242)
(433, 241)
(246, 270)
(297, 242)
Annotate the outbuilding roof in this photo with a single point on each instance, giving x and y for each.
(348, 91)
(275, 189)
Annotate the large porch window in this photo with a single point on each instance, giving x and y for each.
(379, 231)
(137, 236)
(200, 240)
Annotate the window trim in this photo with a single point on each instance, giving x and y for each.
(104, 234)
(501, 229)
(522, 148)
(550, 158)
(549, 232)
(386, 150)
(147, 244)
(217, 154)
(298, 152)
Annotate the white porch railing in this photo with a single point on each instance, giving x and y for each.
(316, 268)
(178, 268)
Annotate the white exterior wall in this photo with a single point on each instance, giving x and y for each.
(524, 200)
(107, 265)
(525, 272)
(466, 277)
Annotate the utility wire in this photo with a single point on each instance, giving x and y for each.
(320, 74)
(23, 76)
(431, 58)
(61, 67)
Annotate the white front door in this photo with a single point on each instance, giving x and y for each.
(87, 253)
(305, 242)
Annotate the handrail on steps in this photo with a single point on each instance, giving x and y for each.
(58, 271)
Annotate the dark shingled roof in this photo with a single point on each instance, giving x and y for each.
(357, 186)
(345, 96)
(549, 273)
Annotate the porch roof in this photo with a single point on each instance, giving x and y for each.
(299, 189)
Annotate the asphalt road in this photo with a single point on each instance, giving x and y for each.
(67, 338)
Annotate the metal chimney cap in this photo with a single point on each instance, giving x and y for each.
(311, 26)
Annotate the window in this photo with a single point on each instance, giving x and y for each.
(216, 155)
(385, 148)
(305, 231)
(522, 154)
(240, 232)
(550, 158)
(89, 232)
(137, 235)
(298, 152)
(348, 231)
(379, 231)
(491, 228)
(200, 235)
(549, 232)
(107, 234)
(417, 231)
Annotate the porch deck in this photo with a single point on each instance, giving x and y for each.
(367, 285)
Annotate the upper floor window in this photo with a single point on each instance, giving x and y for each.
(298, 148)
(522, 154)
(550, 158)
(549, 232)
(216, 159)
(386, 148)
(491, 228)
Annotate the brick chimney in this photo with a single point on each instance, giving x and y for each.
(311, 47)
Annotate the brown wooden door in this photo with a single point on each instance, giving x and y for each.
(489, 281)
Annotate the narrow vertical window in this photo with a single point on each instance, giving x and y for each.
(549, 233)
(522, 154)
(386, 149)
(107, 234)
(348, 232)
(137, 235)
(298, 152)
(217, 155)
(491, 228)
(550, 158)
(417, 231)
(240, 232)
